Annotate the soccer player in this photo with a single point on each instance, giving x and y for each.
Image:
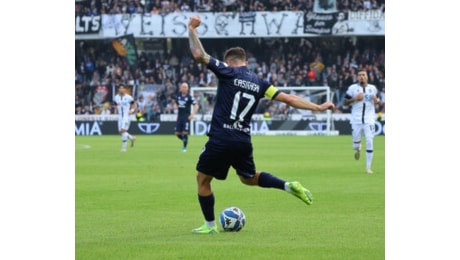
(184, 102)
(362, 97)
(125, 106)
(229, 144)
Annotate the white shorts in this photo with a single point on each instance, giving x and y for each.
(124, 124)
(360, 130)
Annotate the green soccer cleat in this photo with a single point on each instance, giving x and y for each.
(300, 192)
(204, 229)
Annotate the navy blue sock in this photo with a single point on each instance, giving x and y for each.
(185, 140)
(207, 206)
(180, 137)
(266, 180)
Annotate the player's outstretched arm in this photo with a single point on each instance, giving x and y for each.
(195, 44)
(298, 102)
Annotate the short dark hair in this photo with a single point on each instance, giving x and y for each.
(235, 53)
(363, 70)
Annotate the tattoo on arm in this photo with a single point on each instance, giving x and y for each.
(196, 48)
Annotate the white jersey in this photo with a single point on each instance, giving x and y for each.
(362, 112)
(123, 105)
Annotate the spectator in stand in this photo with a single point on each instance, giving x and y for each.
(156, 111)
(141, 105)
(202, 81)
(86, 110)
(382, 100)
(171, 106)
(333, 82)
(204, 6)
(148, 108)
(78, 77)
(165, 7)
(311, 75)
(95, 80)
(78, 110)
(97, 109)
(81, 70)
(155, 10)
(106, 109)
(78, 102)
(185, 7)
(131, 7)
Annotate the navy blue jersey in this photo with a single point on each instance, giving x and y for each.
(184, 104)
(238, 93)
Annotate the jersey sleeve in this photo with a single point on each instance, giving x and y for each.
(220, 68)
(271, 92)
(376, 90)
(349, 93)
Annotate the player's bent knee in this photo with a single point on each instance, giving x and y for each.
(249, 181)
(203, 179)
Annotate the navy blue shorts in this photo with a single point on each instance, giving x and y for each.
(218, 155)
(182, 125)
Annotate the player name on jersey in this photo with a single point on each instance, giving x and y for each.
(237, 126)
(246, 85)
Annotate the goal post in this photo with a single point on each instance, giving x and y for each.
(272, 117)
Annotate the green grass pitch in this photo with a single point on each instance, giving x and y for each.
(143, 204)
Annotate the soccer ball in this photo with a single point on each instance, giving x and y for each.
(232, 219)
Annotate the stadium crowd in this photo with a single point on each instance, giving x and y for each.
(97, 7)
(317, 61)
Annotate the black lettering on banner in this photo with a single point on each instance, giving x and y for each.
(162, 33)
(181, 26)
(146, 21)
(248, 18)
(126, 21)
(298, 24)
(273, 22)
(203, 29)
(221, 23)
(285, 23)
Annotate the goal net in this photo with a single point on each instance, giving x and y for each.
(272, 117)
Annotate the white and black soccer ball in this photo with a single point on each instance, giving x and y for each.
(232, 219)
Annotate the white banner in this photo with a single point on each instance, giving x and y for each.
(218, 25)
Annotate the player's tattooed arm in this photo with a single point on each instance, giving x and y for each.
(198, 52)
